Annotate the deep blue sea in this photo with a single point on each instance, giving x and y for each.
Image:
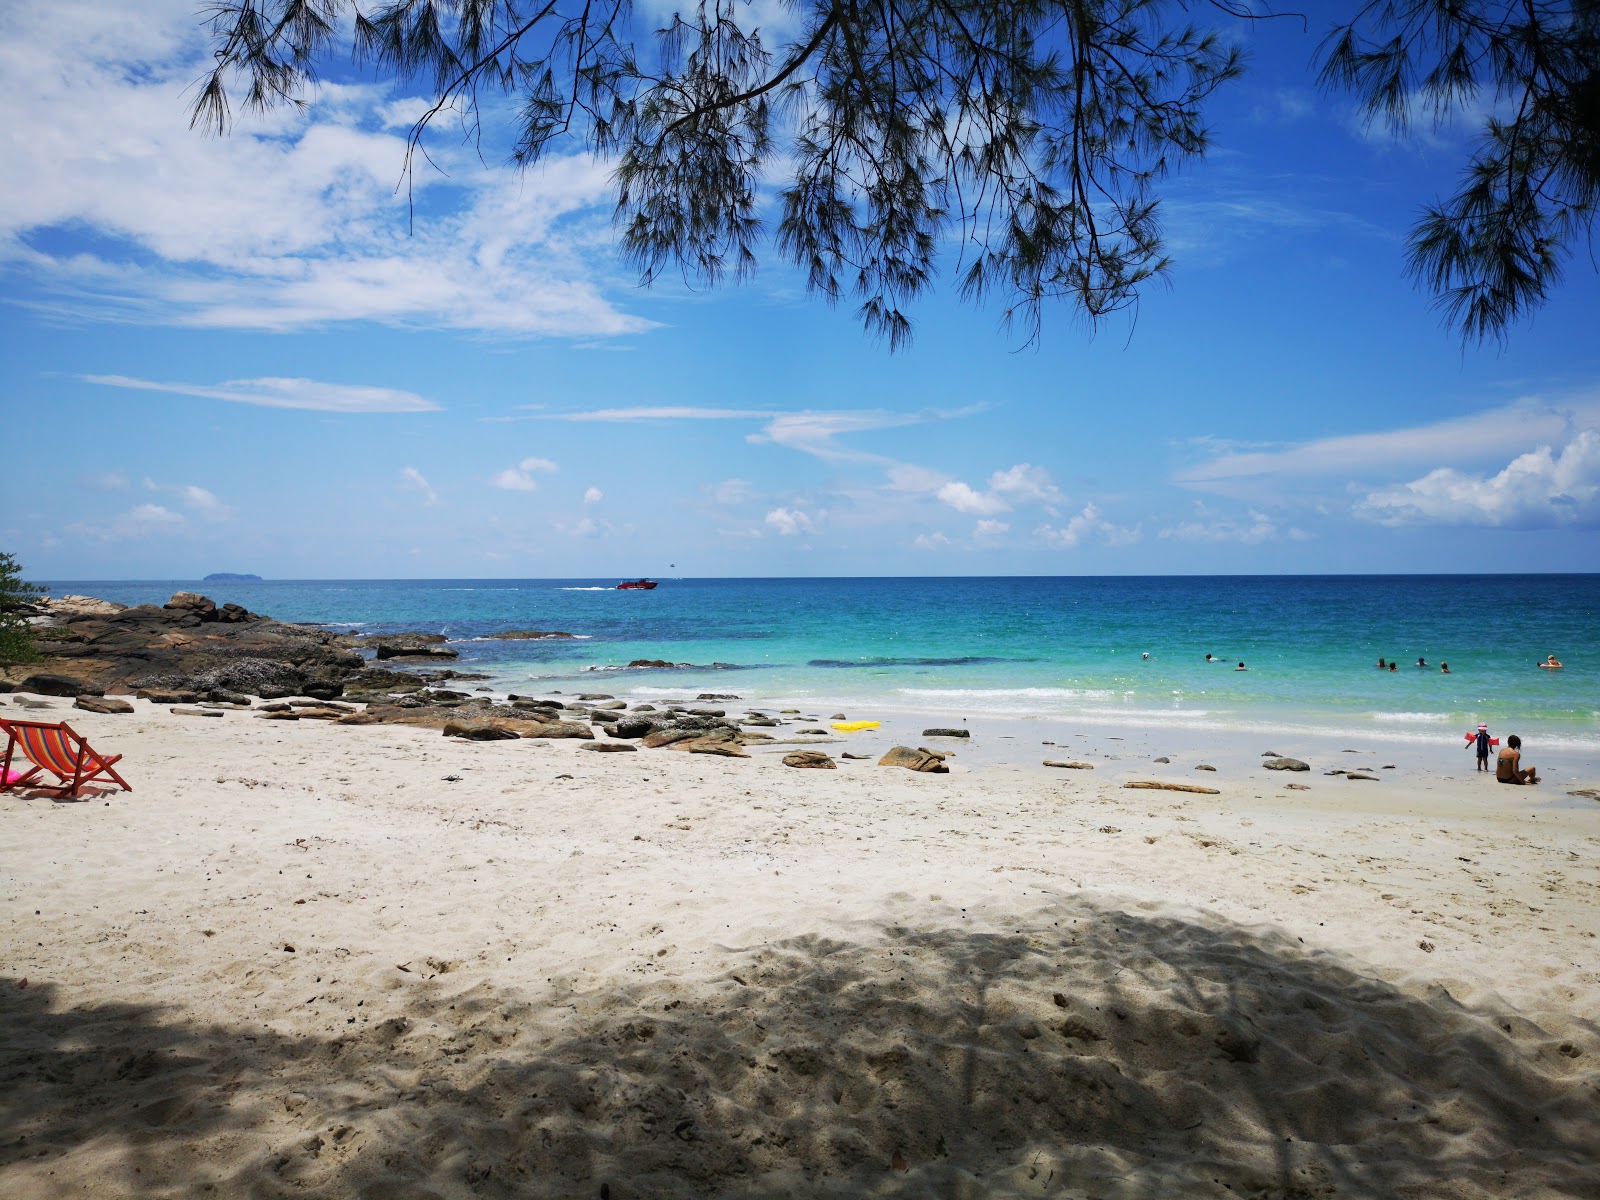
(1051, 647)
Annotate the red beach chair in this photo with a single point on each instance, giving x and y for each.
(56, 748)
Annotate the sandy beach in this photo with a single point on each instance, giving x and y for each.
(310, 959)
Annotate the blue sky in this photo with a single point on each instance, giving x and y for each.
(231, 355)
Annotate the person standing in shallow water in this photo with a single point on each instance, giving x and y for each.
(1481, 742)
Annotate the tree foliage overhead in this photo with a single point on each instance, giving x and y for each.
(1492, 250)
(1025, 138)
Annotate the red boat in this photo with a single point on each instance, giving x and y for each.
(636, 585)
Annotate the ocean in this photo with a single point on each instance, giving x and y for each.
(1049, 647)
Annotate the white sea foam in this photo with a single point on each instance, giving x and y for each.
(1436, 717)
(1028, 693)
(586, 589)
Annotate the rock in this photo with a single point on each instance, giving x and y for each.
(809, 758)
(1360, 775)
(1285, 764)
(1298, 787)
(195, 712)
(708, 712)
(1070, 766)
(847, 754)
(319, 713)
(630, 727)
(223, 696)
(1163, 759)
(716, 696)
(530, 634)
(478, 731)
(1587, 793)
(760, 722)
(100, 704)
(1204, 767)
(658, 738)
(838, 717)
(1270, 754)
(703, 746)
(58, 685)
(193, 602)
(608, 747)
(812, 732)
(25, 702)
(614, 705)
(168, 696)
(423, 646)
(63, 608)
(536, 705)
(604, 717)
(282, 714)
(320, 704)
(1150, 785)
(595, 696)
(652, 662)
(959, 733)
(644, 708)
(914, 760)
(561, 729)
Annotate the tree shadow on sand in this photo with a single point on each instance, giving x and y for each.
(1089, 1053)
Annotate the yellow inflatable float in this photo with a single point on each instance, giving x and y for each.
(852, 726)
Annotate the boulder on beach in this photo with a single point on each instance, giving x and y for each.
(479, 731)
(809, 758)
(58, 685)
(608, 747)
(102, 704)
(1285, 764)
(955, 733)
(914, 760)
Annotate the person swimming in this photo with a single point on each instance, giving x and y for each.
(1421, 662)
(1551, 663)
(1394, 666)
(1382, 665)
(1444, 668)
(1241, 667)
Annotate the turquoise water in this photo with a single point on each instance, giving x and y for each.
(1050, 647)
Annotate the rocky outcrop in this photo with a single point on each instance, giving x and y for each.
(955, 733)
(189, 644)
(408, 645)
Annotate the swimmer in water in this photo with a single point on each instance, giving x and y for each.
(1444, 668)
(1241, 667)
(1394, 666)
(1382, 665)
(1421, 662)
(1551, 663)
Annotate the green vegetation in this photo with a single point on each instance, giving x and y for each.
(16, 644)
(1028, 137)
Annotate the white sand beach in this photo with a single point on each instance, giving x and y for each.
(301, 959)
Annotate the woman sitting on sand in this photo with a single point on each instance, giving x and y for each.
(1508, 767)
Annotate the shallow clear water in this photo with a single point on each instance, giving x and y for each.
(1054, 646)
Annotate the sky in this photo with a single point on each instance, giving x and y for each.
(241, 354)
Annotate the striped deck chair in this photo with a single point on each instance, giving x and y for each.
(56, 748)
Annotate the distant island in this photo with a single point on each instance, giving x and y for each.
(229, 577)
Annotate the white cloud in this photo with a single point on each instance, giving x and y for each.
(1026, 484)
(520, 477)
(1538, 490)
(989, 531)
(1468, 438)
(790, 521)
(109, 481)
(963, 498)
(141, 521)
(415, 481)
(196, 499)
(271, 392)
(1087, 522)
(289, 221)
(732, 492)
(593, 495)
(931, 541)
(663, 412)
(1259, 527)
